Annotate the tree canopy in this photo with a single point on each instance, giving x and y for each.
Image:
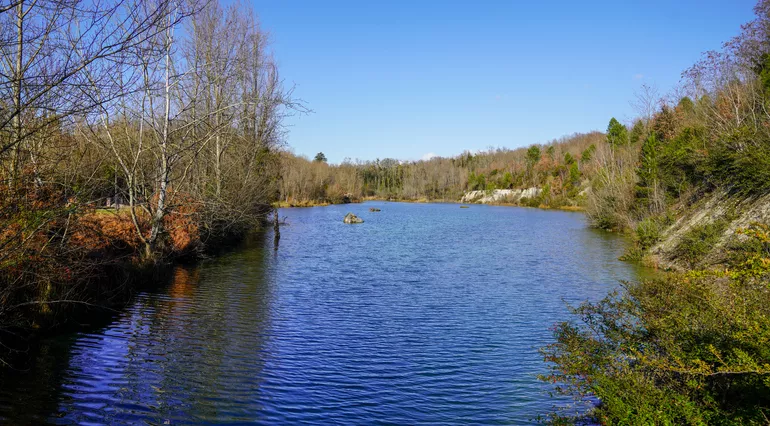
(617, 134)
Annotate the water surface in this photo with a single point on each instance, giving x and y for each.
(426, 313)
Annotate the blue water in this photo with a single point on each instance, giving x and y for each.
(424, 314)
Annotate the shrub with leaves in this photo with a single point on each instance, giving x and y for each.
(689, 348)
(699, 240)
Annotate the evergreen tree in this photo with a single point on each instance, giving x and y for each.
(568, 158)
(533, 155)
(617, 134)
(648, 173)
(550, 151)
(588, 153)
(574, 175)
(686, 105)
(648, 170)
(637, 132)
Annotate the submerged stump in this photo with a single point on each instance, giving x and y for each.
(276, 230)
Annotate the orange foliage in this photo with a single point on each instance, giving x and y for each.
(183, 231)
(104, 230)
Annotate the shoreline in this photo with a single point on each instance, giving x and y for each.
(309, 204)
(110, 287)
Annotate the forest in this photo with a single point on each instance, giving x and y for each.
(563, 167)
(131, 133)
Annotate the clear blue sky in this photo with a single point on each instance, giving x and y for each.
(403, 79)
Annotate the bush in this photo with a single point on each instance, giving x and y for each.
(646, 235)
(611, 198)
(608, 208)
(699, 240)
(746, 171)
(682, 160)
(688, 348)
(752, 253)
(530, 202)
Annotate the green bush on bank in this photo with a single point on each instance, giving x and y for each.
(699, 240)
(648, 232)
(745, 171)
(689, 348)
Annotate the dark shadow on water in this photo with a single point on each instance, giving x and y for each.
(69, 377)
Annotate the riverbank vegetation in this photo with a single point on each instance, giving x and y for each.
(130, 133)
(692, 347)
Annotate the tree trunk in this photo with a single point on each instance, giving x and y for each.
(165, 165)
(17, 84)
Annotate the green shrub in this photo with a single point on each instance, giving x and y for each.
(557, 201)
(633, 253)
(746, 171)
(648, 233)
(608, 210)
(530, 202)
(690, 348)
(699, 240)
(681, 161)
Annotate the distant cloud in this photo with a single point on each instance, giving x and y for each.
(428, 156)
(638, 76)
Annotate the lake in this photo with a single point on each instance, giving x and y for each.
(424, 314)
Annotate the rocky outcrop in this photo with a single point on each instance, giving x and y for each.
(738, 212)
(351, 218)
(500, 195)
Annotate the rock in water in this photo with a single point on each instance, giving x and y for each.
(374, 209)
(351, 218)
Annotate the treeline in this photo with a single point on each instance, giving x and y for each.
(130, 131)
(563, 168)
(692, 347)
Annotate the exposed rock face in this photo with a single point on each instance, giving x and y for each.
(351, 218)
(500, 195)
(740, 212)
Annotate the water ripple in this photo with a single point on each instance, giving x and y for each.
(425, 314)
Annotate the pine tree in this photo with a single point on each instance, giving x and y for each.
(617, 134)
(646, 189)
(637, 132)
(533, 155)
